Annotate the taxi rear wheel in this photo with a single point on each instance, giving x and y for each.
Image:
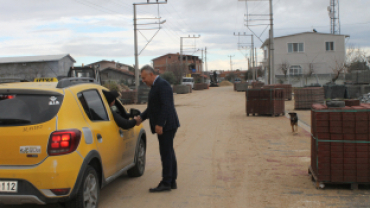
(139, 168)
(88, 193)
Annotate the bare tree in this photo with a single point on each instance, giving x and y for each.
(339, 68)
(179, 70)
(284, 67)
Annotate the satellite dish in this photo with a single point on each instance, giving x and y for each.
(329, 8)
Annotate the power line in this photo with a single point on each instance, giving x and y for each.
(97, 7)
(181, 17)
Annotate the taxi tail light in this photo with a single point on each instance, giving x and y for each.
(7, 97)
(60, 192)
(64, 142)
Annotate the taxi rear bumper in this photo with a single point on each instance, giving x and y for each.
(20, 199)
(27, 194)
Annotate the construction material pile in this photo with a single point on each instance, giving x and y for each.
(305, 97)
(225, 83)
(181, 89)
(256, 85)
(200, 86)
(127, 97)
(340, 144)
(265, 102)
(287, 89)
(241, 86)
(351, 103)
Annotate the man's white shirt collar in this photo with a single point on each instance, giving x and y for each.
(155, 79)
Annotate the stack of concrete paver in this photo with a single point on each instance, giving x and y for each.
(305, 97)
(143, 94)
(241, 86)
(340, 144)
(200, 86)
(265, 102)
(287, 89)
(128, 97)
(256, 85)
(181, 89)
(351, 103)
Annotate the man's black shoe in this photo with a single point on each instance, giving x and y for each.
(161, 187)
(173, 185)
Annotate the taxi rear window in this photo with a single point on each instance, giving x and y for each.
(28, 109)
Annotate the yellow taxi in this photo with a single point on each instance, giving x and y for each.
(59, 143)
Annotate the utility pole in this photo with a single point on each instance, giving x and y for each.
(271, 46)
(256, 62)
(206, 60)
(201, 72)
(137, 81)
(251, 56)
(231, 64)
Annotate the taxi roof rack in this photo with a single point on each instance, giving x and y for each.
(10, 80)
(67, 82)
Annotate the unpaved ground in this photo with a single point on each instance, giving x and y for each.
(227, 159)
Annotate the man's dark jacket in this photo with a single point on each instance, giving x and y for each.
(161, 108)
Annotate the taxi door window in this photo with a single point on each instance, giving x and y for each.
(93, 105)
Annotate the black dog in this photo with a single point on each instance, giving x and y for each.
(294, 120)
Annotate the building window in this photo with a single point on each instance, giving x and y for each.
(295, 70)
(295, 47)
(329, 46)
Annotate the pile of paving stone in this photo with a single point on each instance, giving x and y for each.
(287, 89)
(265, 102)
(305, 97)
(340, 148)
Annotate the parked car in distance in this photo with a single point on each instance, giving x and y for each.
(188, 81)
(237, 80)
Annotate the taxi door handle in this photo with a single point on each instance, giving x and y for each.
(100, 138)
(121, 133)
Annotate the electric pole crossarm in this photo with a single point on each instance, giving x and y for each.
(148, 3)
(148, 42)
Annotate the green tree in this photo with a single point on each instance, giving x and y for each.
(169, 77)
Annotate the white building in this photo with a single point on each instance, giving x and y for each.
(306, 58)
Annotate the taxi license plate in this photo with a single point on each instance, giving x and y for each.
(9, 186)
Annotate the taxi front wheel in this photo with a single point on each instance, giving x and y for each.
(88, 192)
(139, 168)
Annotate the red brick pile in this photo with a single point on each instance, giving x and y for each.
(265, 101)
(200, 86)
(256, 85)
(352, 102)
(128, 97)
(287, 89)
(305, 97)
(340, 148)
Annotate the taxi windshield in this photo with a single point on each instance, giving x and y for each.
(28, 109)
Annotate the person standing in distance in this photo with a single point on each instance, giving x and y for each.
(164, 121)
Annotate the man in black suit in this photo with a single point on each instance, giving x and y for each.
(163, 120)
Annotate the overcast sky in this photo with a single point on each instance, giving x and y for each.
(92, 30)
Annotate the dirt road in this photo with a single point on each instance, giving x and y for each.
(227, 159)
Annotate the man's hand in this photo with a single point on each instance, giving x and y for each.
(159, 130)
(138, 120)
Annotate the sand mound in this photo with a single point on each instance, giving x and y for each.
(225, 83)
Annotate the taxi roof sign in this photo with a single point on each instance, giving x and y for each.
(46, 79)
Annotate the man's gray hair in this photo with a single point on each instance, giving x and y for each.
(147, 68)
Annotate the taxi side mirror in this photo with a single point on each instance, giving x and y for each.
(134, 112)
